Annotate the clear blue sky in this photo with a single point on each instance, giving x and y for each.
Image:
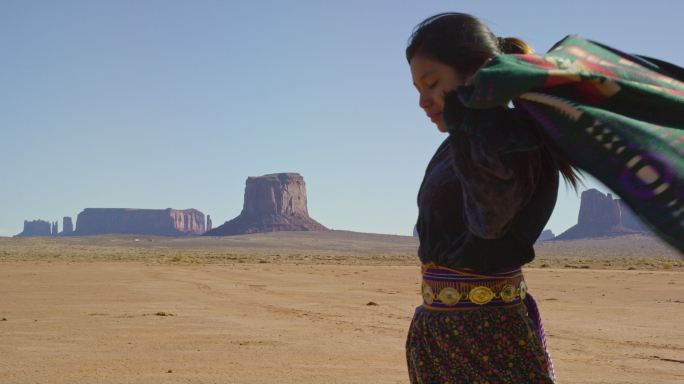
(156, 104)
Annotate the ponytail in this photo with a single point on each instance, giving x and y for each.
(514, 45)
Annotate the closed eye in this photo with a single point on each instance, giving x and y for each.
(429, 86)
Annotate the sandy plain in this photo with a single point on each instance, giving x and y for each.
(151, 310)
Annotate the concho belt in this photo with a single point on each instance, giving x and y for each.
(447, 288)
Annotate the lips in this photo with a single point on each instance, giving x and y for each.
(435, 117)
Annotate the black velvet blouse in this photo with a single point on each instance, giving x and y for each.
(487, 194)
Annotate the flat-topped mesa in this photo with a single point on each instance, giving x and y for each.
(601, 215)
(275, 194)
(162, 222)
(273, 202)
(36, 228)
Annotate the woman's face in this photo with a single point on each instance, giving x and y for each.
(433, 80)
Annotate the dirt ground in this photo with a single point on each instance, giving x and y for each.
(131, 322)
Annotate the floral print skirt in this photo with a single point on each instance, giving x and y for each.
(482, 345)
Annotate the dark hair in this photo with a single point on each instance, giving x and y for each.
(464, 42)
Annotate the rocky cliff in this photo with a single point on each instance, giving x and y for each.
(274, 202)
(163, 222)
(601, 215)
(67, 226)
(629, 219)
(36, 228)
(546, 234)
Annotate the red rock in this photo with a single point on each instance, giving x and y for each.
(546, 234)
(601, 215)
(36, 228)
(163, 222)
(67, 225)
(274, 202)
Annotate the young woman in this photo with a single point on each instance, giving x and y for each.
(487, 194)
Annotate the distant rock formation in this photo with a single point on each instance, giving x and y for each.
(601, 215)
(55, 228)
(36, 228)
(163, 222)
(67, 226)
(547, 234)
(209, 225)
(630, 220)
(274, 202)
(415, 230)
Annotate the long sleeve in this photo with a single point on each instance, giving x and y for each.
(488, 191)
(483, 210)
(495, 186)
(496, 157)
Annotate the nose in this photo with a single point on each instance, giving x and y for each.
(424, 101)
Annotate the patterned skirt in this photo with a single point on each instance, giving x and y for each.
(483, 343)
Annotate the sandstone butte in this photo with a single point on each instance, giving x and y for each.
(36, 228)
(273, 202)
(162, 222)
(67, 226)
(602, 215)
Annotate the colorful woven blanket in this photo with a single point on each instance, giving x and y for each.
(616, 116)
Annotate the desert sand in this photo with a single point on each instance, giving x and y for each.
(302, 320)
